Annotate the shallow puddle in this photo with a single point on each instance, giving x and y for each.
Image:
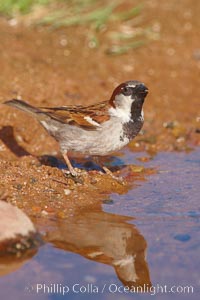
(148, 237)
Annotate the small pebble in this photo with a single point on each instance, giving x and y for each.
(67, 192)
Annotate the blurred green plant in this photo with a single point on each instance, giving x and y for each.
(11, 7)
(117, 18)
(79, 14)
(96, 17)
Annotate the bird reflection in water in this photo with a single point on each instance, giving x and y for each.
(106, 238)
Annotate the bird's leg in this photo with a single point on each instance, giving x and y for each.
(106, 170)
(98, 161)
(69, 165)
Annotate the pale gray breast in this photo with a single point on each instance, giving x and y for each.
(102, 141)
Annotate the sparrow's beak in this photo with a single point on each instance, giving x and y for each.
(145, 92)
(142, 90)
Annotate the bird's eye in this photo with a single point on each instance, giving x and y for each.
(127, 91)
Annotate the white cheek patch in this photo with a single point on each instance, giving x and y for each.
(123, 107)
(120, 113)
(91, 121)
(124, 101)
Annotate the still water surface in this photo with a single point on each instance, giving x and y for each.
(148, 237)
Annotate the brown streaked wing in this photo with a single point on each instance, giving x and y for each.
(99, 112)
(74, 115)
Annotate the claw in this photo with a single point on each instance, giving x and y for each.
(118, 179)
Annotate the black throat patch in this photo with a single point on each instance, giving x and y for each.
(136, 109)
(132, 128)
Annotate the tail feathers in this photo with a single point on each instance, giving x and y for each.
(22, 105)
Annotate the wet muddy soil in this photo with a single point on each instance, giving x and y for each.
(38, 67)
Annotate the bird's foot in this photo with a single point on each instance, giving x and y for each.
(74, 175)
(118, 179)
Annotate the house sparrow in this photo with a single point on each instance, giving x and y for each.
(97, 129)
